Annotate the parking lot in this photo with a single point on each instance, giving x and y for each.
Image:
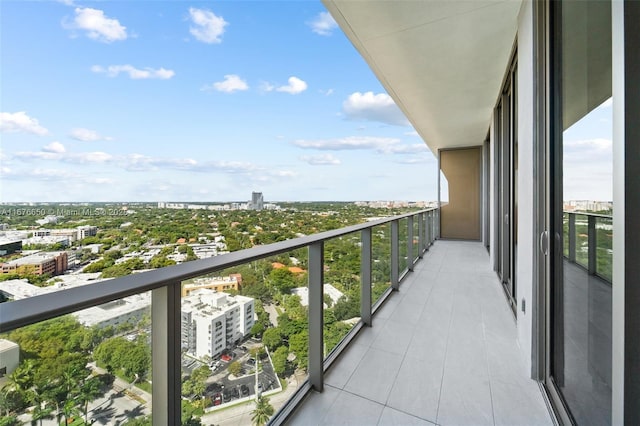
(221, 389)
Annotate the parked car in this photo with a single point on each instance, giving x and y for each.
(251, 361)
(214, 387)
(226, 395)
(235, 393)
(244, 389)
(217, 399)
(226, 357)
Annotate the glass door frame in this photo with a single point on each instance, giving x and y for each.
(505, 138)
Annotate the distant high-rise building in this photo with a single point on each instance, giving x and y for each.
(257, 201)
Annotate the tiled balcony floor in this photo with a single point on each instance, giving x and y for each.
(442, 350)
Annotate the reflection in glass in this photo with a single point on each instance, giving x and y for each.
(581, 362)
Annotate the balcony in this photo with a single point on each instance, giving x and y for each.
(435, 340)
(442, 350)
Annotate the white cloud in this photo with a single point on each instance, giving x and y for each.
(98, 26)
(37, 155)
(54, 147)
(417, 159)
(88, 157)
(371, 107)
(294, 87)
(587, 169)
(20, 122)
(265, 86)
(376, 143)
(406, 149)
(208, 28)
(45, 174)
(327, 92)
(283, 173)
(87, 135)
(134, 73)
(588, 145)
(321, 160)
(98, 181)
(231, 83)
(323, 24)
(48, 153)
(411, 133)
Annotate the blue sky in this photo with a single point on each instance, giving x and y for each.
(196, 101)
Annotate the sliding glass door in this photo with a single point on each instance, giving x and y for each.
(579, 321)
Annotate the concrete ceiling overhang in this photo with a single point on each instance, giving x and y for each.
(442, 62)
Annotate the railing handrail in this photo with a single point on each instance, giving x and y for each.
(607, 216)
(42, 307)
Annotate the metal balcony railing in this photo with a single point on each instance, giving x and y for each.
(588, 242)
(410, 236)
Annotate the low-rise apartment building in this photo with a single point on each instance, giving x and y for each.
(219, 284)
(53, 263)
(213, 321)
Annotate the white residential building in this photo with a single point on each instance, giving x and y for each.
(212, 321)
(9, 357)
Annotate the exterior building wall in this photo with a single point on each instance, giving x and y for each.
(10, 247)
(9, 357)
(219, 284)
(37, 264)
(212, 321)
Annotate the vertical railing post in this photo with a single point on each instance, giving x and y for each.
(365, 276)
(410, 258)
(395, 252)
(572, 237)
(166, 330)
(421, 245)
(592, 241)
(316, 320)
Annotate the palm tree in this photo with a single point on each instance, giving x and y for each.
(263, 411)
(69, 410)
(40, 413)
(89, 391)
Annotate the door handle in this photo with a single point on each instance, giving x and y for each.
(544, 242)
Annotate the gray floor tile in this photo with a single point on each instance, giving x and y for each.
(394, 337)
(391, 417)
(518, 404)
(345, 365)
(416, 390)
(375, 375)
(316, 405)
(443, 349)
(349, 409)
(465, 400)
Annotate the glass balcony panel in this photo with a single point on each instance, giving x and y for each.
(342, 289)
(244, 333)
(381, 261)
(92, 366)
(582, 240)
(403, 238)
(565, 234)
(416, 238)
(604, 247)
